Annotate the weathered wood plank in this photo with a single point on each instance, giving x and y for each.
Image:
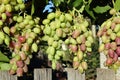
(80, 76)
(43, 74)
(4, 75)
(105, 74)
(74, 74)
(70, 74)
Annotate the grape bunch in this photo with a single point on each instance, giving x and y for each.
(19, 33)
(7, 7)
(68, 38)
(24, 41)
(80, 42)
(109, 34)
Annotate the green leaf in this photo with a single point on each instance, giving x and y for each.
(77, 3)
(101, 9)
(46, 1)
(5, 66)
(33, 8)
(89, 2)
(89, 12)
(57, 2)
(117, 5)
(3, 58)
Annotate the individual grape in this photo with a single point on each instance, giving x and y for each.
(1, 23)
(2, 8)
(4, 17)
(22, 6)
(46, 21)
(68, 17)
(2, 35)
(50, 16)
(34, 47)
(19, 19)
(20, 1)
(5, 1)
(7, 40)
(8, 8)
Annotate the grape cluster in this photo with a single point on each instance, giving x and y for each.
(24, 41)
(67, 36)
(19, 32)
(109, 34)
(7, 7)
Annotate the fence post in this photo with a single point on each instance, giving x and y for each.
(74, 74)
(105, 74)
(4, 75)
(43, 74)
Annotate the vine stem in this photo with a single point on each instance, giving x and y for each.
(113, 2)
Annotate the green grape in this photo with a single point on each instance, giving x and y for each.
(2, 8)
(50, 16)
(47, 30)
(29, 40)
(17, 7)
(31, 22)
(50, 40)
(68, 17)
(5, 1)
(34, 47)
(1, 41)
(1, 23)
(51, 50)
(54, 64)
(28, 17)
(59, 32)
(22, 6)
(7, 40)
(55, 44)
(62, 17)
(15, 18)
(2, 35)
(50, 57)
(57, 23)
(56, 37)
(63, 25)
(6, 30)
(20, 1)
(4, 17)
(57, 57)
(37, 30)
(26, 21)
(19, 19)
(45, 21)
(13, 2)
(8, 8)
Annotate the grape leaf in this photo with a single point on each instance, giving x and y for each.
(46, 1)
(57, 2)
(3, 58)
(5, 66)
(101, 9)
(117, 5)
(76, 3)
(89, 12)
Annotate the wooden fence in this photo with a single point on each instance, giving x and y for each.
(46, 74)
